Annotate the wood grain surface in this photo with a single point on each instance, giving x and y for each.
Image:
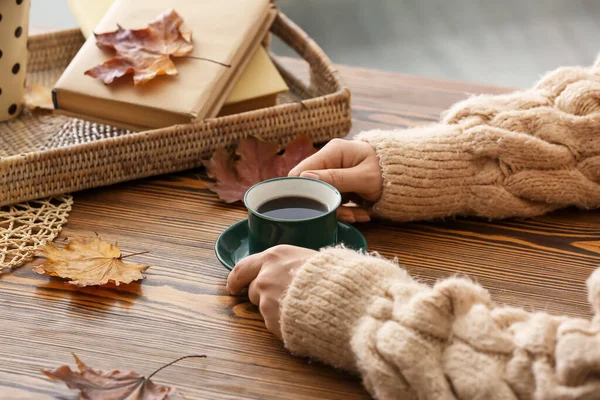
(182, 307)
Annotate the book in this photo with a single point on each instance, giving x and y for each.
(257, 87)
(227, 31)
(88, 14)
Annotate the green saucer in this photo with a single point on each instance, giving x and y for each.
(232, 244)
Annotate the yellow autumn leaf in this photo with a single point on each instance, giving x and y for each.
(38, 96)
(89, 263)
(114, 385)
(145, 53)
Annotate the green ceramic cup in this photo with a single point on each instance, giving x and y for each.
(312, 233)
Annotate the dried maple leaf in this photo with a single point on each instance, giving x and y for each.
(253, 161)
(89, 262)
(38, 96)
(114, 385)
(145, 53)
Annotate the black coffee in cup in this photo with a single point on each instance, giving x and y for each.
(292, 207)
(294, 211)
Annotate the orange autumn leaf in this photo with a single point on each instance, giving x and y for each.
(38, 96)
(253, 161)
(114, 385)
(145, 53)
(89, 263)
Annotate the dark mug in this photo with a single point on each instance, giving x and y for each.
(313, 233)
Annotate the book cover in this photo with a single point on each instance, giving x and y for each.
(259, 83)
(227, 31)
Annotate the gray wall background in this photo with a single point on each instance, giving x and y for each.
(502, 42)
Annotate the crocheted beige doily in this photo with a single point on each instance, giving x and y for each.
(25, 227)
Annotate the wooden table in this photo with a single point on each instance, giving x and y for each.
(183, 308)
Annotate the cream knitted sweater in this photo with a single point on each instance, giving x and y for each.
(521, 154)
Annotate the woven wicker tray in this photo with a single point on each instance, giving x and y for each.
(43, 155)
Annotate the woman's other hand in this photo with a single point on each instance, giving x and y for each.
(268, 275)
(351, 166)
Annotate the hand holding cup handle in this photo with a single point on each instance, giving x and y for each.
(353, 168)
(14, 26)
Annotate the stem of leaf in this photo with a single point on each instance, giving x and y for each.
(173, 362)
(208, 59)
(135, 254)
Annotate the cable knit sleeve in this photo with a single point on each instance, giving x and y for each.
(520, 154)
(449, 341)
(515, 155)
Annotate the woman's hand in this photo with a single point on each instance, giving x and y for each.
(351, 166)
(269, 274)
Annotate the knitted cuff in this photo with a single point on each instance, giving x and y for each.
(440, 170)
(327, 297)
(426, 172)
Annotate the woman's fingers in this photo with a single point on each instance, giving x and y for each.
(351, 166)
(244, 272)
(327, 157)
(253, 293)
(361, 215)
(343, 179)
(338, 153)
(353, 214)
(346, 215)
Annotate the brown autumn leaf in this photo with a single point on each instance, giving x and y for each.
(114, 385)
(253, 161)
(38, 96)
(145, 53)
(89, 262)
